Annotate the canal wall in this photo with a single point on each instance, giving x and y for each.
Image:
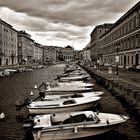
(127, 93)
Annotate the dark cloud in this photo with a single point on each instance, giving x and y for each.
(77, 12)
(69, 19)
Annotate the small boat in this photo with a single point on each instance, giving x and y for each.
(62, 105)
(44, 87)
(73, 95)
(74, 78)
(73, 125)
(8, 72)
(74, 83)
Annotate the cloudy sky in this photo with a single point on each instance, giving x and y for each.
(62, 22)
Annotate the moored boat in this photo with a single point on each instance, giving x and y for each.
(74, 83)
(72, 95)
(62, 105)
(73, 125)
(74, 78)
(44, 87)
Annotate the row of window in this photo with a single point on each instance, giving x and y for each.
(8, 38)
(129, 59)
(125, 28)
(9, 52)
(128, 43)
(6, 44)
(7, 30)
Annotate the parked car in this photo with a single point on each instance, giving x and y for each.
(137, 68)
(131, 68)
(134, 68)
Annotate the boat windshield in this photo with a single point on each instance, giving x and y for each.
(68, 102)
(78, 118)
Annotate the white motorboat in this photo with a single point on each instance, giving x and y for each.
(44, 87)
(73, 78)
(62, 105)
(8, 72)
(73, 95)
(72, 84)
(73, 125)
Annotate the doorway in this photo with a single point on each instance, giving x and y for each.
(137, 59)
(0, 61)
(124, 65)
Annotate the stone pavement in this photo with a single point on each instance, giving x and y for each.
(132, 78)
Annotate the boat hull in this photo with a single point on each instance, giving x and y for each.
(61, 109)
(65, 79)
(71, 133)
(69, 91)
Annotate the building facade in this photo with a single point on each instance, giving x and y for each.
(49, 54)
(8, 44)
(68, 53)
(95, 35)
(25, 48)
(121, 44)
(86, 53)
(38, 53)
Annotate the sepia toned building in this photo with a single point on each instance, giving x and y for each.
(122, 42)
(8, 44)
(86, 53)
(25, 48)
(49, 54)
(68, 53)
(38, 53)
(98, 31)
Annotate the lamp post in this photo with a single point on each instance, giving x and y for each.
(117, 60)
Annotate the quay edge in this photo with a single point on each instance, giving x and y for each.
(126, 93)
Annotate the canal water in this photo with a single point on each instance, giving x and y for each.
(19, 86)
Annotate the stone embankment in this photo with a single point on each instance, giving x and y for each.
(126, 91)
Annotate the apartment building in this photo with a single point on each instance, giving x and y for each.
(8, 44)
(38, 53)
(86, 53)
(121, 44)
(97, 32)
(25, 48)
(49, 54)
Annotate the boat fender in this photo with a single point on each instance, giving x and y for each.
(38, 135)
(76, 129)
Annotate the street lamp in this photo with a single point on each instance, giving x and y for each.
(117, 60)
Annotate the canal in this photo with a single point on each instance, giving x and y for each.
(19, 86)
